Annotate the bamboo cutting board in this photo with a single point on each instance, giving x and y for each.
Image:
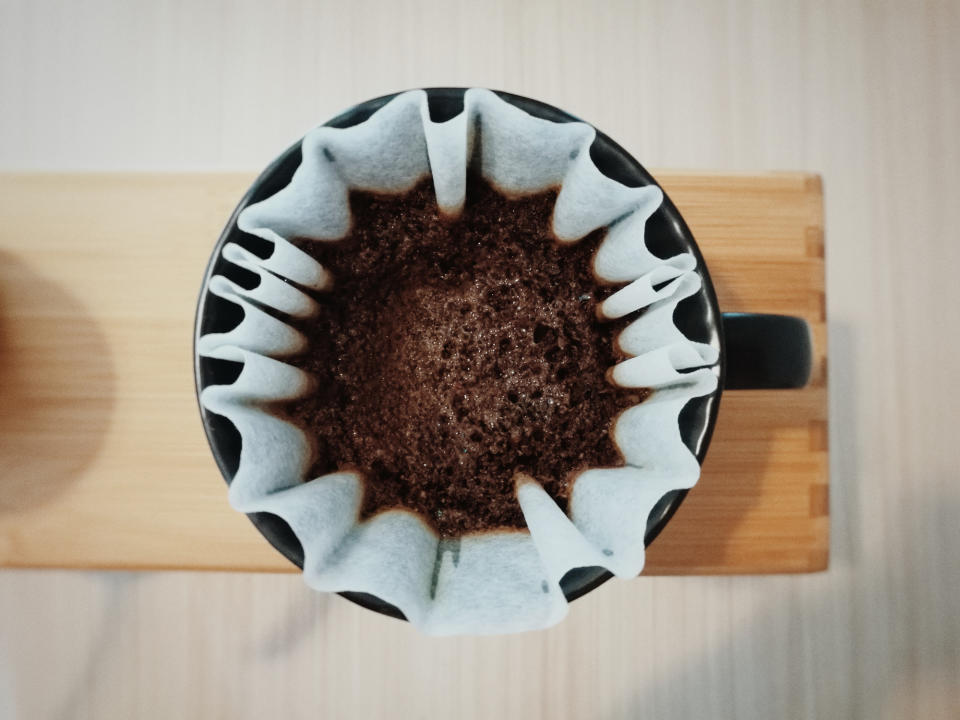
(103, 460)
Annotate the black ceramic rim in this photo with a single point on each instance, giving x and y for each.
(666, 234)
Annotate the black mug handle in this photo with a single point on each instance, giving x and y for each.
(766, 351)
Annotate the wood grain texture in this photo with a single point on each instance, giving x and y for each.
(863, 93)
(759, 506)
(100, 276)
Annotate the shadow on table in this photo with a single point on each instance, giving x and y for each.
(56, 387)
(298, 624)
(868, 609)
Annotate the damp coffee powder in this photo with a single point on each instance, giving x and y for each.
(451, 354)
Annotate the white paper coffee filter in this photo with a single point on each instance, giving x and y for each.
(491, 582)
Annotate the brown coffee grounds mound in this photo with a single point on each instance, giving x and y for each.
(452, 354)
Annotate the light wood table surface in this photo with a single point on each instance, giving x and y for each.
(102, 464)
(865, 94)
